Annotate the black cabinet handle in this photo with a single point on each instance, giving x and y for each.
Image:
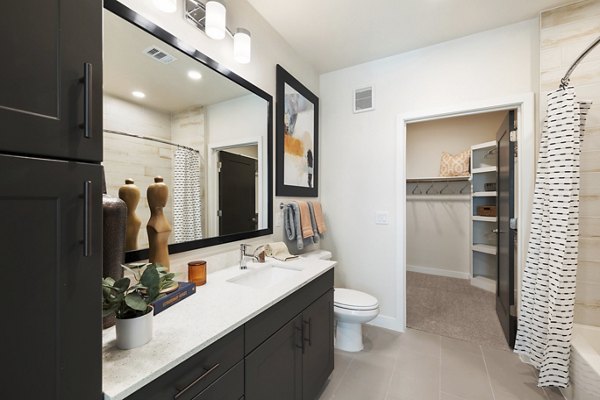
(307, 339)
(87, 100)
(87, 218)
(204, 375)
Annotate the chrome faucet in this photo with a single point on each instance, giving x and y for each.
(244, 255)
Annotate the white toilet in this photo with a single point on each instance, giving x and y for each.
(351, 309)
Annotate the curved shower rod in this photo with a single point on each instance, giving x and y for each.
(564, 82)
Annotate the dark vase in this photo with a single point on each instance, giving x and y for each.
(114, 212)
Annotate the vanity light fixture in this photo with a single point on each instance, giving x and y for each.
(138, 94)
(168, 6)
(194, 75)
(211, 19)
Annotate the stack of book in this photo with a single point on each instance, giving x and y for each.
(184, 289)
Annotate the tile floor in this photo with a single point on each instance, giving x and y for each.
(417, 365)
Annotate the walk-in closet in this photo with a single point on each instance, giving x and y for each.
(452, 223)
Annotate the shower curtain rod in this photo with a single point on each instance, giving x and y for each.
(151, 139)
(564, 82)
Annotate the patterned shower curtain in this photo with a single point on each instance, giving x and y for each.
(187, 201)
(548, 288)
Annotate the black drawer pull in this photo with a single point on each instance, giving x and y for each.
(204, 375)
(87, 218)
(307, 339)
(87, 100)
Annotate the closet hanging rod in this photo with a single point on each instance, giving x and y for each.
(438, 179)
(151, 139)
(564, 82)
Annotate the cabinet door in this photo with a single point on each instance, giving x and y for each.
(48, 44)
(318, 345)
(51, 252)
(274, 369)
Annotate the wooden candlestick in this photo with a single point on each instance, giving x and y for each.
(130, 194)
(158, 226)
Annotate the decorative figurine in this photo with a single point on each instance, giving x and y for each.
(130, 194)
(158, 226)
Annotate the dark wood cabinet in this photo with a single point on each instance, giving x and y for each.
(194, 376)
(51, 218)
(284, 353)
(51, 81)
(274, 369)
(317, 360)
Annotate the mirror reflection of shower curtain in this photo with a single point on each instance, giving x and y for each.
(187, 201)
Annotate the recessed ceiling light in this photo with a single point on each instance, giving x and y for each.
(195, 75)
(138, 94)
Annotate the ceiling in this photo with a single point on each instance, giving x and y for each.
(334, 34)
(167, 87)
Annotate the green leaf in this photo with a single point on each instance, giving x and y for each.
(122, 284)
(136, 302)
(150, 277)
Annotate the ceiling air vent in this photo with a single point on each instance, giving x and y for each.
(363, 100)
(159, 55)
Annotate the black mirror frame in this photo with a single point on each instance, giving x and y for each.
(134, 18)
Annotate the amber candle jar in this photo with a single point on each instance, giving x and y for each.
(197, 272)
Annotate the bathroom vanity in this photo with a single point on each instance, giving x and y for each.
(237, 337)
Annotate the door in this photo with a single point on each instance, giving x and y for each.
(51, 251)
(274, 369)
(45, 110)
(318, 346)
(237, 193)
(505, 296)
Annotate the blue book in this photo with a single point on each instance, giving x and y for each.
(185, 289)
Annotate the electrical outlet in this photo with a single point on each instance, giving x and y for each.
(382, 218)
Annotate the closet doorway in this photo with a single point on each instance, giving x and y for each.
(459, 199)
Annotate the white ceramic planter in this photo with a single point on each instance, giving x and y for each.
(134, 332)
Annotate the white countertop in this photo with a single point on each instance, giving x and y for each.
(217, 308)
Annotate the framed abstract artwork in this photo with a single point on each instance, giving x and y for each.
(297, 138)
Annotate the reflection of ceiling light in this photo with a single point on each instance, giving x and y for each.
(215, 20)
(138, 94)
(169, 6)
(194, 75)
(241, 46)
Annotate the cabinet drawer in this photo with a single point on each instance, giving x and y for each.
(228, 387)
(194, 375)
(271, 320)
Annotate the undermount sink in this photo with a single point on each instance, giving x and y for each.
(264, 276)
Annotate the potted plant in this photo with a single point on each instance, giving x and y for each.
(130, 301)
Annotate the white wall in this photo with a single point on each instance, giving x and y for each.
(565, 33)
(268, 49)
(358, 151)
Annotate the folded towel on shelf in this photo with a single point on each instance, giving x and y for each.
(305, 222)
(291, 223)
(279, 251)
(318, 211)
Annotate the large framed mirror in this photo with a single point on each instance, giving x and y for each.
(174, 113)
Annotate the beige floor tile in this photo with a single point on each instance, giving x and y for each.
(511, 379)
(415, 377)
(419, 342)
(463, 371)
(366, 378)
(446, 396)
(342, 363)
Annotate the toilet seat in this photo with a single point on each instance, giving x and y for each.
(354, 300)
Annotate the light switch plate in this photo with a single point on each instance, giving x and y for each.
(382, 218)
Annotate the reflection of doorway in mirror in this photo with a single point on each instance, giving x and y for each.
(238, 170)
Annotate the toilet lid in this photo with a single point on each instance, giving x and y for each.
(354, 300)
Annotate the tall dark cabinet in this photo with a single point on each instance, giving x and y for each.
(50, 199)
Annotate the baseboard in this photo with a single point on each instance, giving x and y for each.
(391, 323)
(438, 271)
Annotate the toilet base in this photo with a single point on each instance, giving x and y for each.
(348, 336)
